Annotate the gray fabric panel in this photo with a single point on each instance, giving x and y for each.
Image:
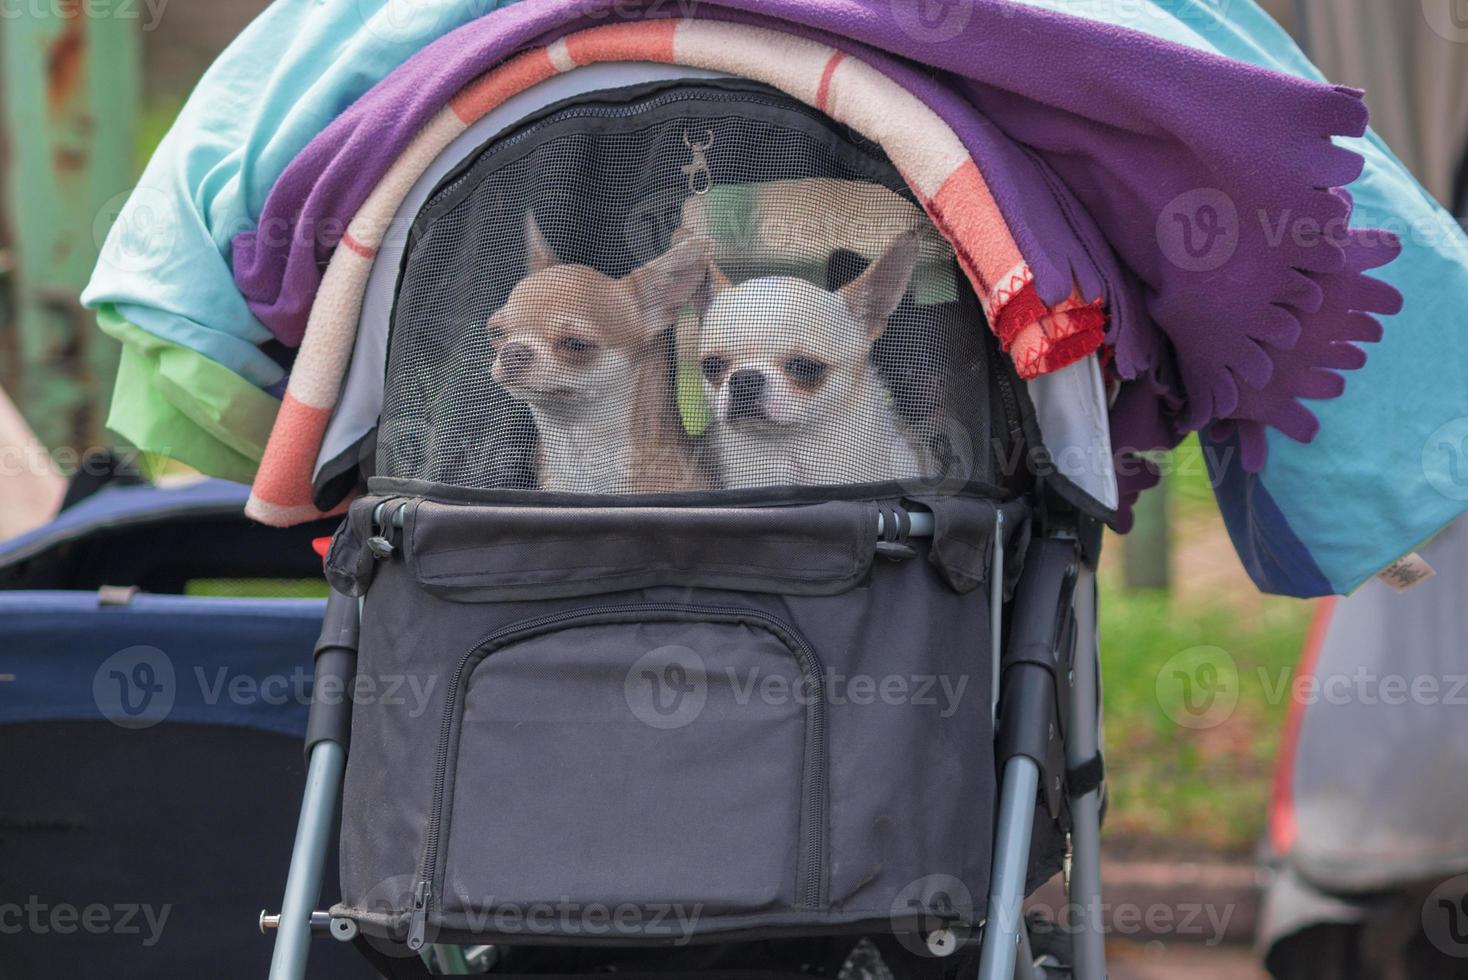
(1072, 412)
(549, 745)
(707, 808)
(1379, 790)
(495, 554)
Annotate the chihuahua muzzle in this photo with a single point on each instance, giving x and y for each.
(515, 358)
(746, 396)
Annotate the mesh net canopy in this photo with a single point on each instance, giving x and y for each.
(686, 287)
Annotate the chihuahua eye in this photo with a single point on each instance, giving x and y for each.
(713, 367)
(805, 371)
(576, 345)
(496, 334)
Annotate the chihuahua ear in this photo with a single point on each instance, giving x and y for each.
(714, 283)
(539, 256)
(680, 276)
(874, 295)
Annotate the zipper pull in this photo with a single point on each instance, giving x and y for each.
(418, 922)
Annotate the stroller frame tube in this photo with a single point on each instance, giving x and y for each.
(1011, 861)
(1082, 744)
(328, 731)
(1005, 953)
(308, 857)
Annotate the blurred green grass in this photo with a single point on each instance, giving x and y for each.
(257, 588)
(1205, 786)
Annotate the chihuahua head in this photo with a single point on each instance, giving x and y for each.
(780, 354)
(568, 338)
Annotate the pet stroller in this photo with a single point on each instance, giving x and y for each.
(760, 617)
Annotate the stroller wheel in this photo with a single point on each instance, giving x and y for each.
(865, 962)
(1050, 947)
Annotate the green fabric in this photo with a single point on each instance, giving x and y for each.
(175, 402)
(693, 403)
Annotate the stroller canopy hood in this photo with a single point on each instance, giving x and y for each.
(1187, 195)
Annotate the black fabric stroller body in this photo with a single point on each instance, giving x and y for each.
(758, 617)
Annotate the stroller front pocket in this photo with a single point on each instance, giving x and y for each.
(649, 725)
(657, 762)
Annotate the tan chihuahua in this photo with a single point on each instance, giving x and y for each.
(589, 356)
(794, 397)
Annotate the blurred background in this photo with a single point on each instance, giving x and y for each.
(86, 99)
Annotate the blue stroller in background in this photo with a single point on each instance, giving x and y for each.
(151, 737)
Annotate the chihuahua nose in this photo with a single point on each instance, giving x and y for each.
(516, 357)
(746, 394)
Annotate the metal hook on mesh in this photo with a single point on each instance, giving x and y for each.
(700, 177)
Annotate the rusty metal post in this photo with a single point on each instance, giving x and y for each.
(71, 89)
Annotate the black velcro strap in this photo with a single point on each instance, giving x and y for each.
(1087, 776)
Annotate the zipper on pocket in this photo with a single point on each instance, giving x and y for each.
(809, 891)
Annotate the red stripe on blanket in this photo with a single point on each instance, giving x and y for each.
(366, 251)
(972, 220)
(641, 41)
(498, 84)
(823, 91)
(284, 477)
(1023, 309)
(1057, 338)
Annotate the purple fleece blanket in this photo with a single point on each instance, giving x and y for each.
(1127, 165)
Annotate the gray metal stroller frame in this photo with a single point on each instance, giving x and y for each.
(1043, 654)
